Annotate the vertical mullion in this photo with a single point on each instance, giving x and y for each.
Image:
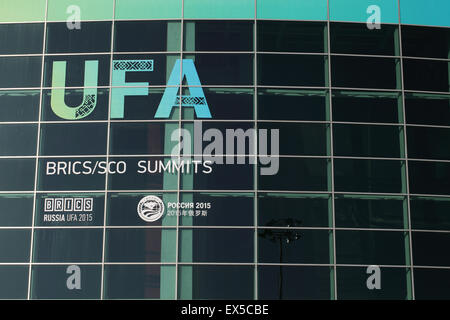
(180, 115)
(406, 169)
(36, 172)
(330, 96)
(255, 166)
(105, 209)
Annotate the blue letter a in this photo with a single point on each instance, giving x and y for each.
(196, 99)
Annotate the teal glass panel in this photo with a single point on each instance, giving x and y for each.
(219, 9)
(89, 10)
(356, 11)
(22, 10)
(144, 9)
(292, 9)
(430, 12)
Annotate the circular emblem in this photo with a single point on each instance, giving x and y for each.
(150, 208)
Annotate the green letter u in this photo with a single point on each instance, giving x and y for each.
(89, 103)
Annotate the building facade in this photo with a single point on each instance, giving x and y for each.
(226, 149)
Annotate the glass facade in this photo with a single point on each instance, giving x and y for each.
(362, 168)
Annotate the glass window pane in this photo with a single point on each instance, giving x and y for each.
(62, 209)
(143, 9)
(71, 174)
(367, 141)
(294, 246)
(91, 37)
(429, 177)
(85, 139)
(219, 213)
(356, 38)
(297, 174)
(357, 106)
(17, 174)
(219, 9)
(356, 11)
(133, 138)
(426, 42)
(370, 247)
(222, 177)
(16, 210)
(351, 282)
(122, 209)
(291, 70)
(140, 245)
(300, 138)
(355, 211)
(437, 109)
(218, 36)
(22, 10)
(139, 282)
(426, 75)
(285, 104)
(426, 143)
(430, 213)
(165, 36)
(19, 105)
(21, 38)
(362, 72)
(216, 245)
(282, 210)
(292, 10)
(216, 282)
(14, 280)
(91, 10)
(431, 284)
(50, 282)
(288, 36)
(368, 175)
(426, 248)
(68, 245)
(18, 140)
(294, 283)
(20, 72)
(20, 251)
(224, 69)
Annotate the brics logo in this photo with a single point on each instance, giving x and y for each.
(68, 204)
(182, 70)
